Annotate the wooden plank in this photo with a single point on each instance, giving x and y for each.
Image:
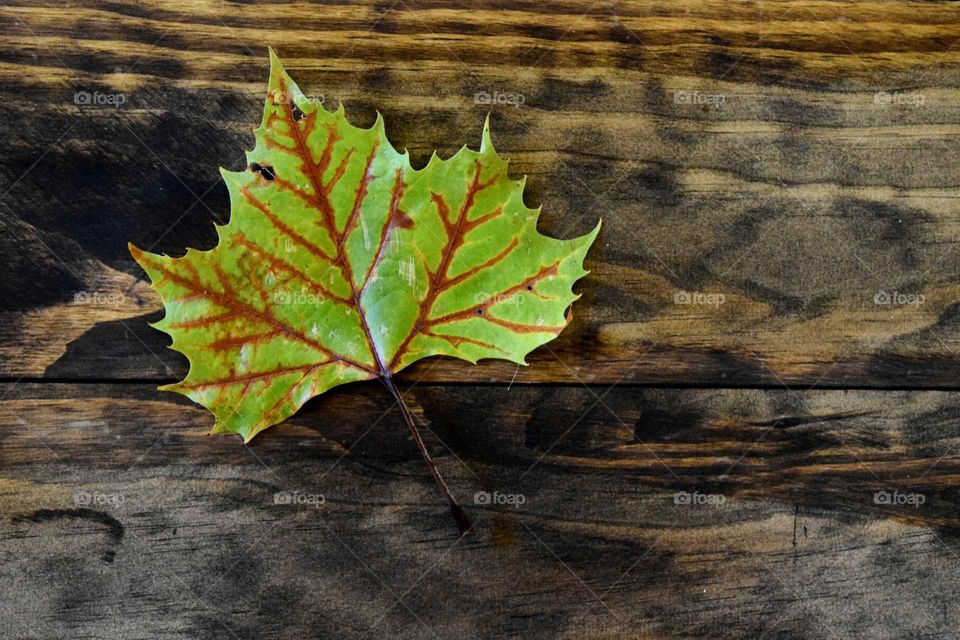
(797, 159)
(120, 518)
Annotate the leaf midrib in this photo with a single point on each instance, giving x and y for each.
(346, 270)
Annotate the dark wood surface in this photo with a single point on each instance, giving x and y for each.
(796, 160)
(180, 535)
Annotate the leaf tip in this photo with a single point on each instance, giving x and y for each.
(253, 432)
(274, 58)
(589, 237)
(141, 258)
(486, 143)
(280, 78)
(596, 229)
(379, 125)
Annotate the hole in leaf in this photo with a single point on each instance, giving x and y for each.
(264, 170)
(297, 113)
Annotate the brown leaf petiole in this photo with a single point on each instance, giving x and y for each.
(464, 523)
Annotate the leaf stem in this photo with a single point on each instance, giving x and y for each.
(464, 524)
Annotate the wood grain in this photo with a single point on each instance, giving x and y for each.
(174, 533)
(783, 165)
(797, 159)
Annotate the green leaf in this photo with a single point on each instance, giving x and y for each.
(341, 262)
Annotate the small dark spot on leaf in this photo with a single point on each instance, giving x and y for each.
(529, 287)
(479, 312)
(404, 221)
(297, 113)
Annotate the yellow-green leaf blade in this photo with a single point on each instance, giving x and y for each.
(342, 263)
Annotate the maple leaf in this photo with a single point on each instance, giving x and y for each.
(341, 263)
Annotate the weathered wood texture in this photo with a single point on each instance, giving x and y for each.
(122, 519)
(796, 158)
(797, 161)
